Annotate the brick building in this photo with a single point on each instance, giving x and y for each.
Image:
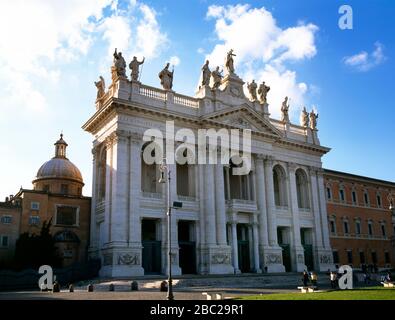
(10, 213)
(56, 196)
(361, 225)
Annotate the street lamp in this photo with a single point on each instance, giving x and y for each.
(165, 175)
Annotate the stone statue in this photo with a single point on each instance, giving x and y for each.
(217, 77)
(101, 88)
(229, 61)
(262, 92)
(313, 120)
(205, 75)
(284, 110)
(252, 89)
(166, 77)
(119, 64)
(304, 118)
(134, 66)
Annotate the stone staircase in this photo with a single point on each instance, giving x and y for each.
(287, 280)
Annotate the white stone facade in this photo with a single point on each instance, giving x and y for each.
(266, 221)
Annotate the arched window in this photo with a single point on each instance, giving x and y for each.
(102, 174)
(280, 189)
(240, 185)
(150, 173)
(185, 172)
(302, 189)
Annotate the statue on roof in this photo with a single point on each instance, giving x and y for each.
(262, 92)
(216, 77)
(229, 61)
(134, 65)
(304, 118)
(166, 77)
(119, 64)
(101, 88)
(284, 111)
(313, 120)
(205, 75)
(252, 89)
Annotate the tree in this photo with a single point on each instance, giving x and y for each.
(33, 251)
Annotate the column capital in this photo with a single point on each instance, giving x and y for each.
(136, 138)
(269, 160)
(292, 166)
(260, 157)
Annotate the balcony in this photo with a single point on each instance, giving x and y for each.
(242, 205)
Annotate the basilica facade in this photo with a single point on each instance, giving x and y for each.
(271, 219)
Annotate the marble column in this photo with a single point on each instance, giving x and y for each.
(271, 214)
(93, 227)
(257, 268)
(120, 184)
(297, 252)
(211, 238)
(316, 209)
(220, 205)
(323, 210)
(273, 255)
(107, 197)
(235, 252)
(262, 211)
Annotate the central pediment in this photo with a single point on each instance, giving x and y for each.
(244, 117)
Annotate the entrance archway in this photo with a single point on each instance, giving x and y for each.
(187, 245)
(151, 255)
(243, 248)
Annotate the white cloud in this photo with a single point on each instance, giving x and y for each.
(263, 50)
(364, 61)
(174, 60)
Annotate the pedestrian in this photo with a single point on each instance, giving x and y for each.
(333, 278)
(314, 279)
(305, 278)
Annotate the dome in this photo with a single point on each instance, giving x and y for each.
(59, 168)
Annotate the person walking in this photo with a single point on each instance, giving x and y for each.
(305, 278)
(333, 280)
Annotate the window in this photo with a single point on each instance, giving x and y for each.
(383, 233)
(66, 215)
(342, 195)
(6, 219)
(362, 257)
(378, 197)
(346, 227)
(374, 257)
(34, 220)
(349, 256)
(370, 228)
(35, 205)
(335, 257)
(302, 189)
(366, 198)
(46, 188)
(358, 227)
(354, 197)
(329, 193)
(4, 241)
(64, 189)
(280, 187)
(332, 224)
(387, 258)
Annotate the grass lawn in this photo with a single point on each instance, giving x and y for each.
(371, 293)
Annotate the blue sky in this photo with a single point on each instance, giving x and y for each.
(51, 52)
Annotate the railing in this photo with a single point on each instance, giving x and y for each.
(186, 198)
(153, 93)
(186, 101)
(153, 195)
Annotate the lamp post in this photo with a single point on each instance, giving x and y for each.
(165, 175)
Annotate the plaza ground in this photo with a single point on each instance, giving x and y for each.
(252, 287)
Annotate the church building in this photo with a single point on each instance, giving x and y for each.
(271, 219)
